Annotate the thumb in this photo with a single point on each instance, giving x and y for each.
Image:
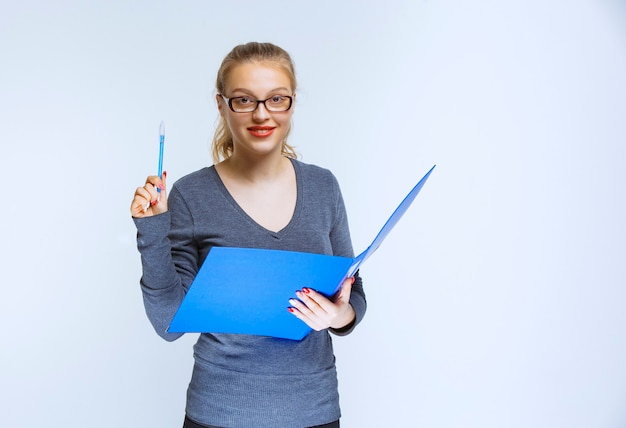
(164, 188)
(161, 206)
(346, 290)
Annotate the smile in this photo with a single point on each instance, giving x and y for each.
(261, 131)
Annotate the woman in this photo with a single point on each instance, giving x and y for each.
(256, 195)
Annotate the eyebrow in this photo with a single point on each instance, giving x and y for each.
(247, 91)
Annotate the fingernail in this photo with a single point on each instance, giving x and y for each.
(306, 290)
(164, 174)
(352, 280)
(161, 186)
(290, 310)
(153, 203)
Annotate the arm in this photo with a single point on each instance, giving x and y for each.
(346, 309)
(162, 286)
(357, 302)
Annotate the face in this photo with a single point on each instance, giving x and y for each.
(261, 131)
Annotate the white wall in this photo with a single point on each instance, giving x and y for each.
(497, 302)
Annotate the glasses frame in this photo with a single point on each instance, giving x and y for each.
(230, 103)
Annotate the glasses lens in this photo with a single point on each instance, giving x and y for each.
(278, 103)
(243, 104)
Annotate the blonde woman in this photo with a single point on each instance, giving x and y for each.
(257, 194)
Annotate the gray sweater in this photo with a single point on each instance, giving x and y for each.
(242, 380)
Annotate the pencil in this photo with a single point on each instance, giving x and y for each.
(161, 144)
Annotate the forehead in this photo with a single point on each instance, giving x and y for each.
(257, 78)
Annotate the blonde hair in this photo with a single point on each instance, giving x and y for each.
(252, 52)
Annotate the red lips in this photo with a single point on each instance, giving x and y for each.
(261, 131)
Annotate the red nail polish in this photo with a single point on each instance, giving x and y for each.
(352, 280)
(290, 310)
(306, 290)
(164, 174)
(153, 203)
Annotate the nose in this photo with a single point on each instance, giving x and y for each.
(261, 113)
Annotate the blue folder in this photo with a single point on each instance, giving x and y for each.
(247, 290)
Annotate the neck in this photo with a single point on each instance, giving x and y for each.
(257, 169)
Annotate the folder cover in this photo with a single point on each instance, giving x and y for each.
(219, 299)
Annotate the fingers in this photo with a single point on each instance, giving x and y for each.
(151, 199)
(320, 312)
(141, 202)
(308, 311)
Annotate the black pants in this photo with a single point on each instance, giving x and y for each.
(191, 424)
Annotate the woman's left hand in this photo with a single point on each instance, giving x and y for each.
(319, 312)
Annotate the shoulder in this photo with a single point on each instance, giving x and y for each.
(318, 186)
(194, 181)
(314, 174)
(193, 178)
(195, 186)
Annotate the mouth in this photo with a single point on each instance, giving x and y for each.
(261, 131)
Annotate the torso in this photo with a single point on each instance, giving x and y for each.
(240, 378)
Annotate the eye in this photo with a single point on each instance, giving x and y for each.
(242, 101)
(277, 99)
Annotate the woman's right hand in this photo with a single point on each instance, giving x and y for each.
(148, 201)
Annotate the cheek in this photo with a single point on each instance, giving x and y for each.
(286, 120)
(231, 121)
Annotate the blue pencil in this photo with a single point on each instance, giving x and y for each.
(161, 144)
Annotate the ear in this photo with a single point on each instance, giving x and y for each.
(220, 104)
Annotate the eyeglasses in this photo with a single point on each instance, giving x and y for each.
(275, 103)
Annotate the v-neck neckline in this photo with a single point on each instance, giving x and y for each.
(296, 212)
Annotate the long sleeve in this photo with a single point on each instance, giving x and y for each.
(160, 284)
(342, 246)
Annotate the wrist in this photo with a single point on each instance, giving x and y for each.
(345, 321)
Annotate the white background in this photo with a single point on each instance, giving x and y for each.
(499, 300)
